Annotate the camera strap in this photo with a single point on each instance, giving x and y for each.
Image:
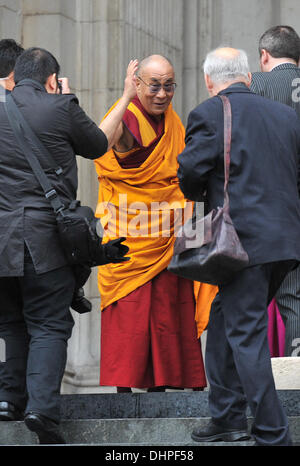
(20, 127)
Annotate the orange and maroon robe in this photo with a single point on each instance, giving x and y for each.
(148, 329)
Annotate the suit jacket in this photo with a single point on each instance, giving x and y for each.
(265, 153)
(26, 216)
(281, 84)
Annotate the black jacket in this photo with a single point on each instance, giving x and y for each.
(25, 214)
(265, 152)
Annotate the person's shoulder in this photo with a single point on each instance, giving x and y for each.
(259, 81)
(286, 109)
(268, 105)
(63, 99)
(208, 113)
(207, 106)
(260, 76)
(62, 103)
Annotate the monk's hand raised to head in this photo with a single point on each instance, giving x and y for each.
(110, 125)
(130, 80)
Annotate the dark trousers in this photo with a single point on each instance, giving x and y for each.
(238, 360)
(35, 324)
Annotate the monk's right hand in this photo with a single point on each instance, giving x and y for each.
(130, 80)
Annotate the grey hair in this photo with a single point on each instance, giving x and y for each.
(222, 69)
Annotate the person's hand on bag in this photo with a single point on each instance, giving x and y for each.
(115, 251)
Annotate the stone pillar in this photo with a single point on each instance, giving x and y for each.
(208, 24)
(76, 32)
(93, 41)
(288, 14)
(89, 59)
(108, 38)
(11, 18)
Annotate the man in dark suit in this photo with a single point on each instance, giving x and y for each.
(36, 282)
(265, 209)
(279, 49)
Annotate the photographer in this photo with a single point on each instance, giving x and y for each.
(36, 282)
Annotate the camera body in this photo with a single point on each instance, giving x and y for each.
(59, 84)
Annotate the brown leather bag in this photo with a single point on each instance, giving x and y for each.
(208, 249)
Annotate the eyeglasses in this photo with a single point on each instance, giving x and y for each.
(169, 88)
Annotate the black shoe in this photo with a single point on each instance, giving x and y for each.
(8, 412)
(46, 429)
(214, 433)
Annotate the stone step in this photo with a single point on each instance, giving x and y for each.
(122, 432)
(138, 419)
(153, 405)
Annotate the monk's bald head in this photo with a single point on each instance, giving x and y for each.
(226, 64)
(155, 84)
(154, 62)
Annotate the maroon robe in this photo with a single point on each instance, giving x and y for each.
(149, 337)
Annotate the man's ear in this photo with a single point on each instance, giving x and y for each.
(264, 58)
(209, 83)
(248, 83)
(11, 81)
(11, 76)
(51, 84)
(138, 85)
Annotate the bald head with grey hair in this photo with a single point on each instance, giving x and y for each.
(224, 66)
(149, 60)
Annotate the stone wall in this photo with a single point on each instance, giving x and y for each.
(94, 40)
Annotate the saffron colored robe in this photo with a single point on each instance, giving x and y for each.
(148, 331)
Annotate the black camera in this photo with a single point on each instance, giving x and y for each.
(79, 303)
(59, 85)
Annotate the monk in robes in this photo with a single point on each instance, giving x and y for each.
(148, 329)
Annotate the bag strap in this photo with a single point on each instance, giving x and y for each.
(19, 127)
(227, 146)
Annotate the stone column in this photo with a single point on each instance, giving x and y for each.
(108, 38)
(11, 18)
(89, 57)
(76, 32)
(93, 41)
(208, 24)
